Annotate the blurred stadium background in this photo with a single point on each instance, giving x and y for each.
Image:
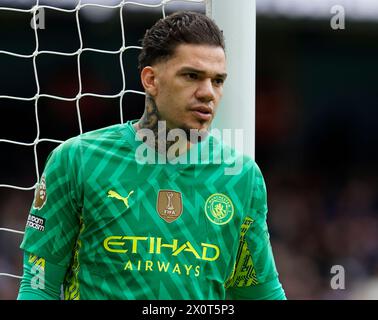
(316, 127)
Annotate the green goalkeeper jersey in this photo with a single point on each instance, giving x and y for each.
(130, 230)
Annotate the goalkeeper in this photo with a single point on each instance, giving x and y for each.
(106, 225)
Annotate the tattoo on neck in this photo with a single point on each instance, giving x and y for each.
(150, 121)
(150, 116)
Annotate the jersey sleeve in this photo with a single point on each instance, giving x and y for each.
(41, 279)
(255, 275)
(53, 224)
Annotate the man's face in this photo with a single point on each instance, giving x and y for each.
(189, 86)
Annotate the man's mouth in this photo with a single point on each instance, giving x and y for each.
(204, 113)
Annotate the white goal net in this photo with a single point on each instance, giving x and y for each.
(29, 104)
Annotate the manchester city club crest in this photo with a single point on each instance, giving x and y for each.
(169, 205)
(219, 209)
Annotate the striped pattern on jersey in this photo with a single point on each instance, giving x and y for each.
(127, 230)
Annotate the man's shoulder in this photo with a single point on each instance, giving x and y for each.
(113, 132)
(231, 154)
(106, 136)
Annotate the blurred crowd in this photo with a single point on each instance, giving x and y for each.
(312, 232)
(316, 142)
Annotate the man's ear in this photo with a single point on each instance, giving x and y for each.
(148, 77)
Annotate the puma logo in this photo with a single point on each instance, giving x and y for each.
(113, 194)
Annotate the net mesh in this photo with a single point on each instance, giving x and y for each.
(79, 5)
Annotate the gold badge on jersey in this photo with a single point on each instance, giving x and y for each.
(169, 205)
(219, 209)
(40, 196)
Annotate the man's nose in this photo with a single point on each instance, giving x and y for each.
(205, 91)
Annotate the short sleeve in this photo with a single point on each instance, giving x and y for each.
(53, 224)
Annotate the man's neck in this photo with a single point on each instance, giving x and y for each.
(150, 120)
(150, 116)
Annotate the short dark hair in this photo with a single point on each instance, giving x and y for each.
(161, 41)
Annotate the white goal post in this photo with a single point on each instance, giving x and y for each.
(237, 19)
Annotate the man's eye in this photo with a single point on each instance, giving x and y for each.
(219, 82)
(192, 76)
